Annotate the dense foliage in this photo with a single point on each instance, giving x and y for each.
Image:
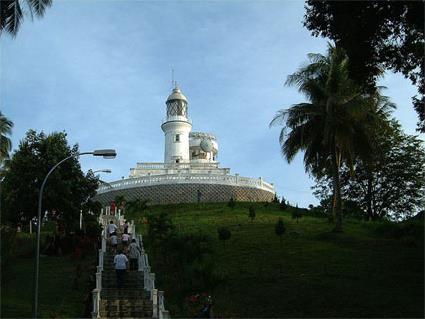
(224, 234)
(376, 35)
(5, 142)
(251, 213)
(333, 127)
(184, 261)
(67, 188)
(12, 13)
(279, 229)
(391, 184)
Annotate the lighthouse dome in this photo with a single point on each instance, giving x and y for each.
(176, 94)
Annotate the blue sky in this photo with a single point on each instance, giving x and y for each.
(100, 70)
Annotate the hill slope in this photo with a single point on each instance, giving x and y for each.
(371, 270)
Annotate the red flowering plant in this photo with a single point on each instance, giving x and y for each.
(198, 305)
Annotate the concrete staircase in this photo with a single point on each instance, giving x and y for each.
(138, 297)
(129, 301)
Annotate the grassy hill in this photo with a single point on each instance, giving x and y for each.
(371, 270)
(63, 292)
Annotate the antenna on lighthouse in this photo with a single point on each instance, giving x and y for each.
(173, 82)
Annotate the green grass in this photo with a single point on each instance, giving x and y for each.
(58, 298)
(363, 272)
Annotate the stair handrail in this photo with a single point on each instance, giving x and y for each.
(156, 296)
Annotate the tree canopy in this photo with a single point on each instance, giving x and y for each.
(12, 13)
(376, 35)
(6, 126)
(391, 184)
(67, 188)
(333, 126)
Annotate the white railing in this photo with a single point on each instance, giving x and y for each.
(162, 313)
(187, 179)
(176, 165)
(96, 303)
(104, 219)
(157, 297)
(99, 269)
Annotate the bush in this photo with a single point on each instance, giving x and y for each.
(406, 231)
(280, 229)
(231, 203)
(251, 213)
(283, 205)
(296, 214)
(8, 245)
(224, 234)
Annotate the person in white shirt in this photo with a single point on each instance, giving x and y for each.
(112, 228)
(114, 242)
(120, 262)
(125, 238)
(134, 254)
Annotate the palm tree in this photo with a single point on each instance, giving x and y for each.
(333, 127)
(5, 142)
(12, 13)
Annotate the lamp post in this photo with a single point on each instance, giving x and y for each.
(107, 153)
(106, 170)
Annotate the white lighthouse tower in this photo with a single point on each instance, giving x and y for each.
(176, 127)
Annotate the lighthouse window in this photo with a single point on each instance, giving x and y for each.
(177, 138)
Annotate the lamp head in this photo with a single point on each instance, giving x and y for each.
(108, 153)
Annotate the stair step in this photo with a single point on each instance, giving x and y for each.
(126, 314)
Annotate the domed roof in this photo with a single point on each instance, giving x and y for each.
(177, 95)
(206, 145)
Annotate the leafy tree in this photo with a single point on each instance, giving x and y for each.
(333, 126)
(137, 206)
(67, 188)
(391, 184)
(12, 13)
(283, 205)
(6, 126)
(376, 35)
(120, 201)
(251, 213)
(279, 229)
(224, 234)
(231, 203)
(160, 226)
(275, 199)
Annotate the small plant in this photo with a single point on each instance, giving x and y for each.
(224, 234)
(231, 203)
(296, 213)
(280, 229)
(283, 205)
(251, 213)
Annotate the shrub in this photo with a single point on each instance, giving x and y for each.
(224, 234)
(8, 245)
(280, 229)
(283, 205)
(231, 203)
(251, 213)
(296, 214)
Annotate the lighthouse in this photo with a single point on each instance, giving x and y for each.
(176, 128)
(190, 172)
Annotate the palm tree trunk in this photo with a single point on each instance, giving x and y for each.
(337, 208)
(369, 197)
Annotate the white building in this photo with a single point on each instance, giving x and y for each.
(190, 171)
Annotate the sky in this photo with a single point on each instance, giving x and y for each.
(101, 71)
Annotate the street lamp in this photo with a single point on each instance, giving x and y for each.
(103, 171)
(106, 170)
(107, 153)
